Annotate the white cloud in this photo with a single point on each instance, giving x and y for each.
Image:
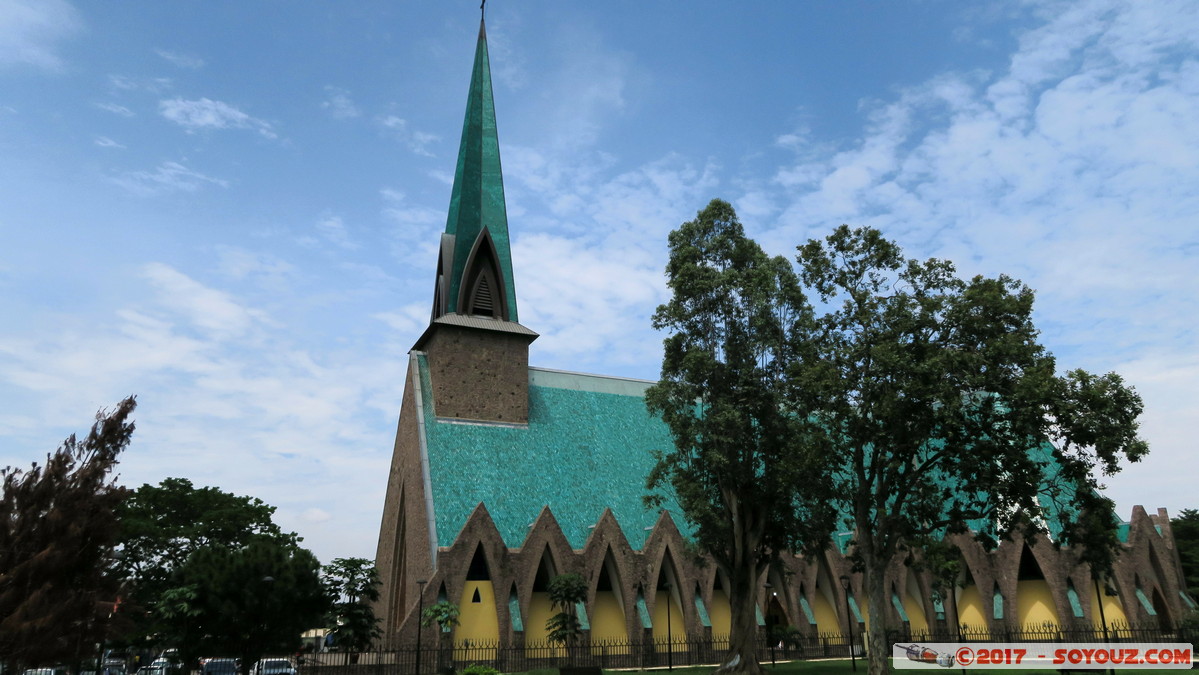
(227, 395)
(150, 84)
(106, 142)
(31, 30)
(212, 311)
(115, 109)
(1073, 170)
(339, 104)
(333, 230)
(168, 177)
(205, 113)
(181, 60)
(268, 271)
(416, 141)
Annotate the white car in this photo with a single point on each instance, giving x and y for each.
(274, 667)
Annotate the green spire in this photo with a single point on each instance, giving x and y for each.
(477, 201)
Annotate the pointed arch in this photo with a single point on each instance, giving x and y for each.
(669, 630)
(1035, 605)
(719, 610)
(483, 291)
(913, 602)
(609, 625)
(478, 615)
(969, 610)
(776, 601)
(441, 283)
(825, 606)
(399, 566)
(540, 609)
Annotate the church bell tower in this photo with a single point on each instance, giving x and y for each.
(478, 352)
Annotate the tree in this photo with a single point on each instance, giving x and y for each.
(443, 613)
(743, 468)
(353, 585)
(1186, 537)
(943, 414)
(248, 601)
(57, 530)
(162, 526)
(566, 591)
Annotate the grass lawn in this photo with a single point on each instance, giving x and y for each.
(844, 667)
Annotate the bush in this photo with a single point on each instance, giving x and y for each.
(478, 669)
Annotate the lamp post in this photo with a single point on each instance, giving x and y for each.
(420, 610)
(853, 659)
(1102, 616)
(268, 582)
(770, 625)
(669, 637)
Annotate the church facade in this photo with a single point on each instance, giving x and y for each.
(505, 475)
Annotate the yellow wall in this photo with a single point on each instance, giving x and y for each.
(720, 614)
(540, 611)
(864, 608)
(826, 618)
(970, 609)
(1113, 611)
(662, 600)
(917, 621)
(607, 624)
(1034, 605)
(478, 621)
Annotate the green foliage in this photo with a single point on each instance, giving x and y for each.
(744, 467)
(1185, 527)
(566, 591)
(353, 584)
(162, 526)
(479, 669)
(443, 613)
(913, 402)
(250, 601)
(57, 533)
(943, 413)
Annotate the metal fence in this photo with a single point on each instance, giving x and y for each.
(687, 651)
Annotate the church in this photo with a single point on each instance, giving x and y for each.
(505, 475)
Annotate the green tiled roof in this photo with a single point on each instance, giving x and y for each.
(588, 446)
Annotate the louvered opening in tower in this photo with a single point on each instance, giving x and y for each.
(481, 301)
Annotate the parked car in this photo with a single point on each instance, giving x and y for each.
(274, 667)
(219, 667)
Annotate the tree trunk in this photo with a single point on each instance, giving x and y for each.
(743, 627)
(878, 651)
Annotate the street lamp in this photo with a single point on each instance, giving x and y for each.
(769, 624)
(1099, 599)
(420, 610)
(669, 638)
(853, 659)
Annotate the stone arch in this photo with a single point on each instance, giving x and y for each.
(972, 599)
(609, 617)
(478, 611)
(669, 626)
(1036, 608)
(913, 597)
(719, 609)
(826, 608)
(538, 609)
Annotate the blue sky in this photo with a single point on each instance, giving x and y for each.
(231, 208)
